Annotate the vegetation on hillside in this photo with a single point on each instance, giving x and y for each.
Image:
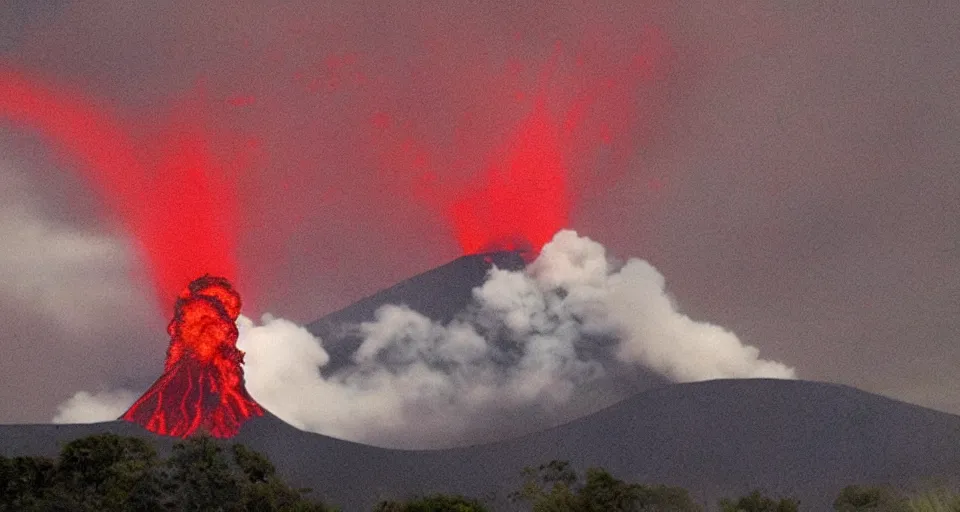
(556, 487)
(107, 472)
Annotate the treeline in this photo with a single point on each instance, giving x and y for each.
(108, 472)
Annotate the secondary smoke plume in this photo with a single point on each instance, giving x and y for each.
(85, 407)
(521, 204)
(526, 186)
(202, 385)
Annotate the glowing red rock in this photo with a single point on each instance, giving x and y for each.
(202, 386)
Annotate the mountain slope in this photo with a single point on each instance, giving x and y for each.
(438, 294)
(715, 438)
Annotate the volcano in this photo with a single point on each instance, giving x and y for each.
(439, 294)
(202, 387)
(443, 293)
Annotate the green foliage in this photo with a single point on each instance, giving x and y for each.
(434, 503)
(604, 492)
(254, 465)
(555, 487)
(263, 490)
(23, 482)
(112, 473)
(202, 476)
(857, 498)
(548, 487)
(757, 502)
(100, 472)
(938, 500)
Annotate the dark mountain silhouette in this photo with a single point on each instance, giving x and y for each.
(439, 294)
(716, 438)
(444, 292)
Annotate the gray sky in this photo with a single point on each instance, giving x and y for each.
(792, 171)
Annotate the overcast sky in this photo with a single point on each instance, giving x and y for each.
(791, 170)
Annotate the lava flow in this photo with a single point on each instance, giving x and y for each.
(202, 386)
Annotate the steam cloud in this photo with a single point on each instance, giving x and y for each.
(85, 407)
(60, 273)
(533, 344)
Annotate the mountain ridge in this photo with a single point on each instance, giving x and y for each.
(439, 294)
(716, 438)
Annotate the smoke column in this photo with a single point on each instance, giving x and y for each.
(580, 105)
(520, 206)
(171, 195)
(535, 345)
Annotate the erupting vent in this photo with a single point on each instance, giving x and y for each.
(202, 384)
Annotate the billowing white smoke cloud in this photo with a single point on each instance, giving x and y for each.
(58, 282)
(84, 407)
(532, 343)
(412, 382)
(70, 277)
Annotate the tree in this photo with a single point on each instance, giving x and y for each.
(109, 472)
(604, 492)
(662, 498)
(254, 465)
(549, 487)
(433, 503)
(263, 490)
(101, 471)
(555, 487)
(24, 481)
(857, 498)
(757, 502)
(202, 476)
(934, 500)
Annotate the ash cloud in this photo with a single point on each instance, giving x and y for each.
(58, 281)
(84, 407)
(71, 277)
(530, 343)
(531, 346)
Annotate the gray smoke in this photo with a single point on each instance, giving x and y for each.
(532, 341)
(58, 281)
(532, 345)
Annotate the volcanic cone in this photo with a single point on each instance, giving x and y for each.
(202, 386)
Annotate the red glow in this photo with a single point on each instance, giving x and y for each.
(588, 112)
(519, 206)
(171, 194)
(241, 100)
(201, 388)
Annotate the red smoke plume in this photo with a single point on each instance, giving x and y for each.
(202, 384)
(172, 195)
(520, 205)
(174, 199)
(583, 104)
